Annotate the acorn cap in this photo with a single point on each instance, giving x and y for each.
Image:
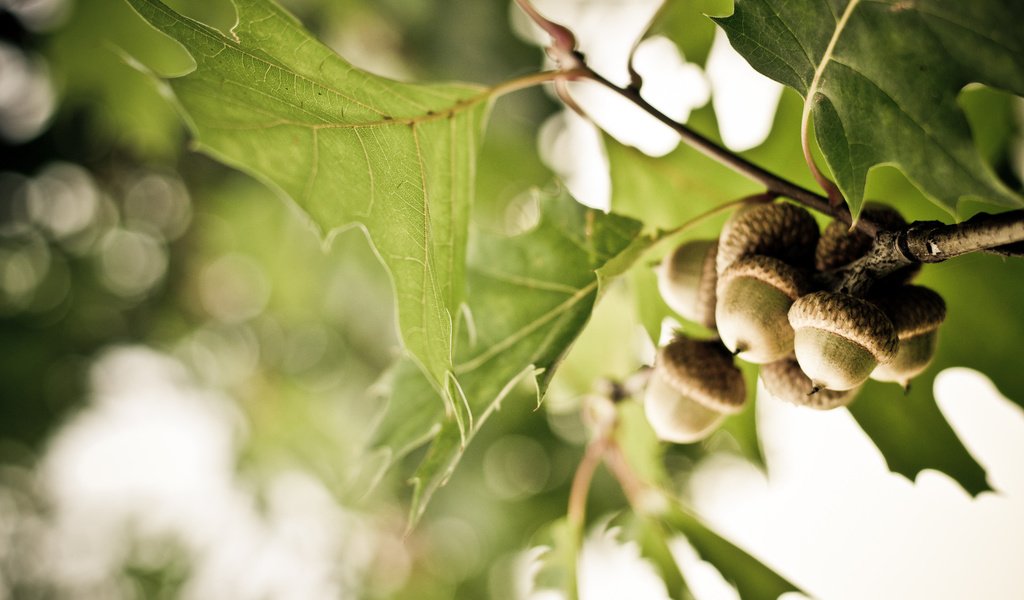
(839, 246)
(704, 371)
(706, 291)
(785, 381)
(772, 271)
(852, 318)
(913, 309)
(780, 230)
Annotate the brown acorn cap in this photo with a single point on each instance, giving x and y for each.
(706, 297)
(780, 230)
(704, 371)
(784, 380)
(778, 274)
(839, 246)
(852, 318)
(913, 309)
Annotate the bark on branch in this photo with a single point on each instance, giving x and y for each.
(930, 242)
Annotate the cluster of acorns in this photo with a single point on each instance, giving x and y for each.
(757, 285)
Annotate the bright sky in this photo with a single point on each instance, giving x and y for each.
(837, 522)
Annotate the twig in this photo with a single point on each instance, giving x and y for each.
(772, 182)
(581, 482)
(930, 242)
(920, 243)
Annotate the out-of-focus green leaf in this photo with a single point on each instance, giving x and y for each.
(752, 579)
(682, 22)
(529, 297)
(347, 146)
(644, 455)
(651, 536)
(558, 563)
(123, 107)
(883, 78)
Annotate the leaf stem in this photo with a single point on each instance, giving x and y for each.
(834, 195)
(534, 79)
(721, 208)
(581, 482)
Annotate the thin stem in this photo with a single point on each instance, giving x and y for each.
(563, 41)
(637, 491)
(771, 181)
(721, 208)
(581, 482)
(534, 79)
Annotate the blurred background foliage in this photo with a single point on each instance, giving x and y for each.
(114, 234)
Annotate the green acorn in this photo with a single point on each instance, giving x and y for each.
(693, 386)
(840, 339)
(916, 312)
(784, 380)
(754, 296)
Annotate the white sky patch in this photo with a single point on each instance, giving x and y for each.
(571, 147)
(745, 100)
(606, 32)
(835, 521)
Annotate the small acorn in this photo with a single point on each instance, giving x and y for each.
(785, 381)
(780, 230)
(693, 386)
(686, 280)
(754, 296)
(840, 339)
(916, 312)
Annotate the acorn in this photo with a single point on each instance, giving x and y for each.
(785, 381)
(839, 245)
(916, 313)
(840, 339)
(780, 230)
(693, 386)
(754, 296)
(686, 280)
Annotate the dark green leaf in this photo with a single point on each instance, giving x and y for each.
(529, 297)
(644, 455)
(750, 576)
(883, 77)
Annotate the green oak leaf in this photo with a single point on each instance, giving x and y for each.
(529, 297)
(882, 77)
(350, 148)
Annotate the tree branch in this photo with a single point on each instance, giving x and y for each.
(921, 242)
(930, 242)
(772, 182)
